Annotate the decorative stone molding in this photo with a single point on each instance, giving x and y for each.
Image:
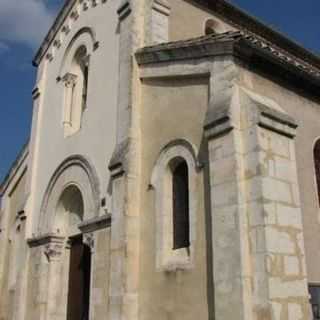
(86, 37)
(57, 43)
(124, 9)
(118, 160)
(35, 93)
(75, 14)
(21, 215)
(95, 224)
(168, 259)
(85, 4)
(44, 239)
(69, 80)
(276, 121)
(49, 56)
(243, 45)
(66, 29)
(52, 245)
(67, 167)
(220, 124)
(88, 239)
(161, 6)
(61, 28)
(53, 251)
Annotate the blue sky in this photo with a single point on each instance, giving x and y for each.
(23, 24)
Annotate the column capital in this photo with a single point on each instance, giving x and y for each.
(69, 79)
(51, 243)
(89, 240)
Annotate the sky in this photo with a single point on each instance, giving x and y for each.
(24, 23)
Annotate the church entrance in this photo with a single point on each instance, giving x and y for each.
(70, 212)
(79, 280)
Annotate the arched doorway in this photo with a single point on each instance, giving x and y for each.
(70, 212)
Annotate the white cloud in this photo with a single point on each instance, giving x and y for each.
(24, 21)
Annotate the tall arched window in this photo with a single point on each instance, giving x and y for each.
(76, 89)
(316, 157)
(180, 206)
(210, 27)
(174, 182)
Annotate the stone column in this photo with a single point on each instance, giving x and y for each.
(258, 250)
(125, 242)
(70, 81)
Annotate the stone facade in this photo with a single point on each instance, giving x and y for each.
(126, 91)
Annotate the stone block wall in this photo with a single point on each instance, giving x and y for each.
(258, 246)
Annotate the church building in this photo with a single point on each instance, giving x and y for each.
(172, 170)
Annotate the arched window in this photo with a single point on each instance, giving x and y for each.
(174, 182)
(76, 89)
(70, 209)
(316, 157)
(210, 27)
(180, 206)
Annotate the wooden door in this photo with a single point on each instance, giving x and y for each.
(79, 281)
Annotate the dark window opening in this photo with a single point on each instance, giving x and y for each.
(85, 85)
(316, 156)
(210, 27)
(180, 197)
(79, 280)
(209, 30)
(314, 291)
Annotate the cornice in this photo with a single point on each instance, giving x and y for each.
(228, 12)
(61, 27)
(252, 49)
(45, 239)
(95, 224)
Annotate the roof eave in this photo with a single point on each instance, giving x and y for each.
(16, 165)
(241, 49)
(240, 18)
(63, 13)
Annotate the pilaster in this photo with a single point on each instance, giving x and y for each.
(124, 167)
(258, 250)
(157, 25)
(118, 275)
(279, 282)
(229, 236)
(51, 247)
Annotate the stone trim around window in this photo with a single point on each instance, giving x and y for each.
(168, 259)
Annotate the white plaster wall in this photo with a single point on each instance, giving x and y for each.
(96, 138)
